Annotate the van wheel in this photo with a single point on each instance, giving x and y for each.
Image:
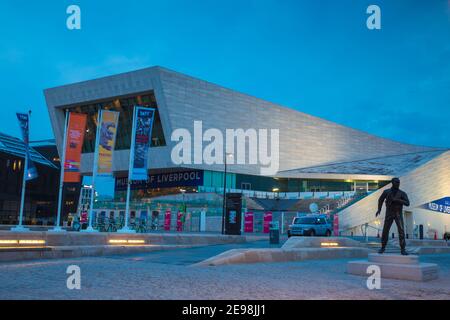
(312, 233)
(328, 233)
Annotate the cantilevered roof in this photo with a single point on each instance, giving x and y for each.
(16, 147)
(383, 166)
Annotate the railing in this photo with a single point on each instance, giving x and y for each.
(281, 195)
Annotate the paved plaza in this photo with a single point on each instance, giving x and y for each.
(169, 275)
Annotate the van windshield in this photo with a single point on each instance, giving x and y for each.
(305, 220)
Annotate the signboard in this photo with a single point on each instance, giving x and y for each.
(142, 140)
(107, 141)
(267, 220)
(74, 142)
(441, 205)
(233, 214)
(191, 178)
(167, 220)
(248, 222)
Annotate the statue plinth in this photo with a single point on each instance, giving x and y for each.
(394, 266)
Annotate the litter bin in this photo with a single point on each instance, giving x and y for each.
(274, 232)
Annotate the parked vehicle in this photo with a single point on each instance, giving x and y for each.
(310, 225)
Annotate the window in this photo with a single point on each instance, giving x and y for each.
(125, 106)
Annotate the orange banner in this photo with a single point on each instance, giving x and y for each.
(74, 143)
(107, 142)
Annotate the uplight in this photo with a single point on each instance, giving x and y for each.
(329, 244)
(9, 242)
(31, 241)
(126, 241)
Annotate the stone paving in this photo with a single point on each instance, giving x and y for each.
(169, 275)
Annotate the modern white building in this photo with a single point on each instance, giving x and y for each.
(314, 154)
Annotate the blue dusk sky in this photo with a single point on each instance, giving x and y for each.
(314, 56)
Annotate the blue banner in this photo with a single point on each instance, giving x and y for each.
(143, 124)
(31, 171)
(442, 205)
(192, 178)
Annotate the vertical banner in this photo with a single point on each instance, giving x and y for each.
(31, 171)
(180, 216)
(75, 137)
(143, 124)
(267, 221)
(108, 132)
(167, 220)
(248, 222)
(336, 225)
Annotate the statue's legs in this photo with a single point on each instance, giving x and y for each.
(387, 226)
(401, 230)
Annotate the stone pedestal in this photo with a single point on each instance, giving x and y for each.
(395, 266)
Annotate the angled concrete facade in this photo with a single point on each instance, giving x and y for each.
(305, 140)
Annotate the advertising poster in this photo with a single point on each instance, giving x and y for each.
(74, 142)
(142, 140)
(267, 220)
(248, 222)
(167, 220)
(108, 132)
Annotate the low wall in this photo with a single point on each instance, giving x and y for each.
(100, 239)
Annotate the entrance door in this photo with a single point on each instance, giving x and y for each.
(409, 223)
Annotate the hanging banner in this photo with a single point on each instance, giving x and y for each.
(180, 221)
(107, 141)
(143, 124)
(248, 222)
(267, 221)
(74, 142)
(167, 220)
(336, 225)
(31, 171)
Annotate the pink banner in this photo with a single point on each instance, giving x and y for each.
(336, 225)
(267, 221)
(180, 221)
(248, 222)
(167, 220)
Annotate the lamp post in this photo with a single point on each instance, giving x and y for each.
(230, 155)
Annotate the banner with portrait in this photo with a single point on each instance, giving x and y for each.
(143, 125)
(106, 142)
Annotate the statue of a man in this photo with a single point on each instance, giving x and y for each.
(395, 200)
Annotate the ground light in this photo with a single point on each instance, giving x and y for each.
(21, 243)
(126, 241)
(329, 244)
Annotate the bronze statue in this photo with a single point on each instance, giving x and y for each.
(395, 200)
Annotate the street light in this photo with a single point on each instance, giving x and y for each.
(227, 155)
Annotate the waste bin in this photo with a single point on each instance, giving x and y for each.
(274, 232)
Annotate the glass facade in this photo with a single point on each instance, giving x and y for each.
(125, 106)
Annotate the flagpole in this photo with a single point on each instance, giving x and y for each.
(57, 227)
(20, 227)
(125, 228)
(94, 172)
